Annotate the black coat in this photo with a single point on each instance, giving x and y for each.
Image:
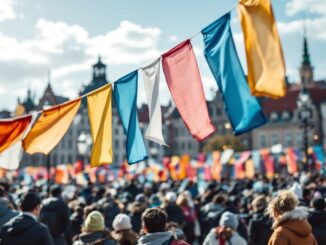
(24, 230)
(317, 220)
(55, 214)
(98, 238)
(260, 229)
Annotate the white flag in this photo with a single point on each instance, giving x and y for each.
(151, 76)
(11, 157)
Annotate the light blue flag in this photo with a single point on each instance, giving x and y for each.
(125, 94)
(242, 108)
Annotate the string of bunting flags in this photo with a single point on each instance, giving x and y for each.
(264, 59)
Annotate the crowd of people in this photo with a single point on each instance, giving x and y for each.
(281, 210)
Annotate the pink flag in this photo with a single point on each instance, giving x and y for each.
(183, 79)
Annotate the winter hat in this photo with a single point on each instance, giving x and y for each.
(171, 196)
(296, 189)
(228, 219)
(121, 222)
(94, 222)
(140, 198)
(319, 204)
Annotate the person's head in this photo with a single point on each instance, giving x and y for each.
(176, 230)
(259, 204)
(154, 220)
(55, 191)
(182, 200)
(319, 204)
(171, 197)
(121, 222)
(2, 191)
(31, 202)
(94, 222)
(229, 220)
(219, 199)
(284, 202)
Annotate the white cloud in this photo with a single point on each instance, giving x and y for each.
(68, 51)
(173, 38)
(315, 27)
(313, 6)
(7, 10)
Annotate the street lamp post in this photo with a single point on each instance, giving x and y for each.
(84, 142)
(305, 114)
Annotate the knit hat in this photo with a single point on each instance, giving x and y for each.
(121, 222)
(94, 222)
(228, 219)
(171, 196)
(296, 189)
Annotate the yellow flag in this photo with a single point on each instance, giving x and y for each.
(100, 118)
(50, 127)
(266, 67)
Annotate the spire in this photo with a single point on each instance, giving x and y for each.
(305, 55)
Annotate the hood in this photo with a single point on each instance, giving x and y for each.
(296, 221)
(3, 206)
(157, 238)
(87, 238)
(51, 203)
(19, 225)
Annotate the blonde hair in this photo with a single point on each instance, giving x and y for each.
(285, 201)
(182, 200)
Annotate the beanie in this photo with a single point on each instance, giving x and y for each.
(296, 189)
(121, 222)
(228, 219)
(171, 196)
(94, 222)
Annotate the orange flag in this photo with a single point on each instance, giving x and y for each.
(250, 169)
(266, 66)
(216, 166)
(50, 127)
(11, 130)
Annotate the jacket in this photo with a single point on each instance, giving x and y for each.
(292, 228)
(6, 213)
(98, 238)
(317, 220)
(160, 238)
(260, 229)
(55, 214)
(24, 229)
(211, 239)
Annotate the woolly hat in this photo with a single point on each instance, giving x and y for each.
(296, 189)
(94, 222)
(121, 222)
(228, 219)
(171, 196)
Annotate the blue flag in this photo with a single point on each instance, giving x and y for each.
(125, 94)
(242, 108)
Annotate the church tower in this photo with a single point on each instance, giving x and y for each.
(306, 70)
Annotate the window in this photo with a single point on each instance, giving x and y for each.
(69, 158)
(189, 145)
(299, 138)
(275, 139)
(262, 140)
(287, 139)
(285, 116)
(62, 159)
(274, 117)
(116, 144)
(218, 111)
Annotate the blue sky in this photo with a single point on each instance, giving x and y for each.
(67, 36)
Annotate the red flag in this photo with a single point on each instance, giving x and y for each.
(183, 79)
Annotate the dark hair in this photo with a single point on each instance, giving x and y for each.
(319, 203)
(29, 202)
(154, 219)
(55, 191)
(2, 191)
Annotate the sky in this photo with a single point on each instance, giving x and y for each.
(66, 37)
